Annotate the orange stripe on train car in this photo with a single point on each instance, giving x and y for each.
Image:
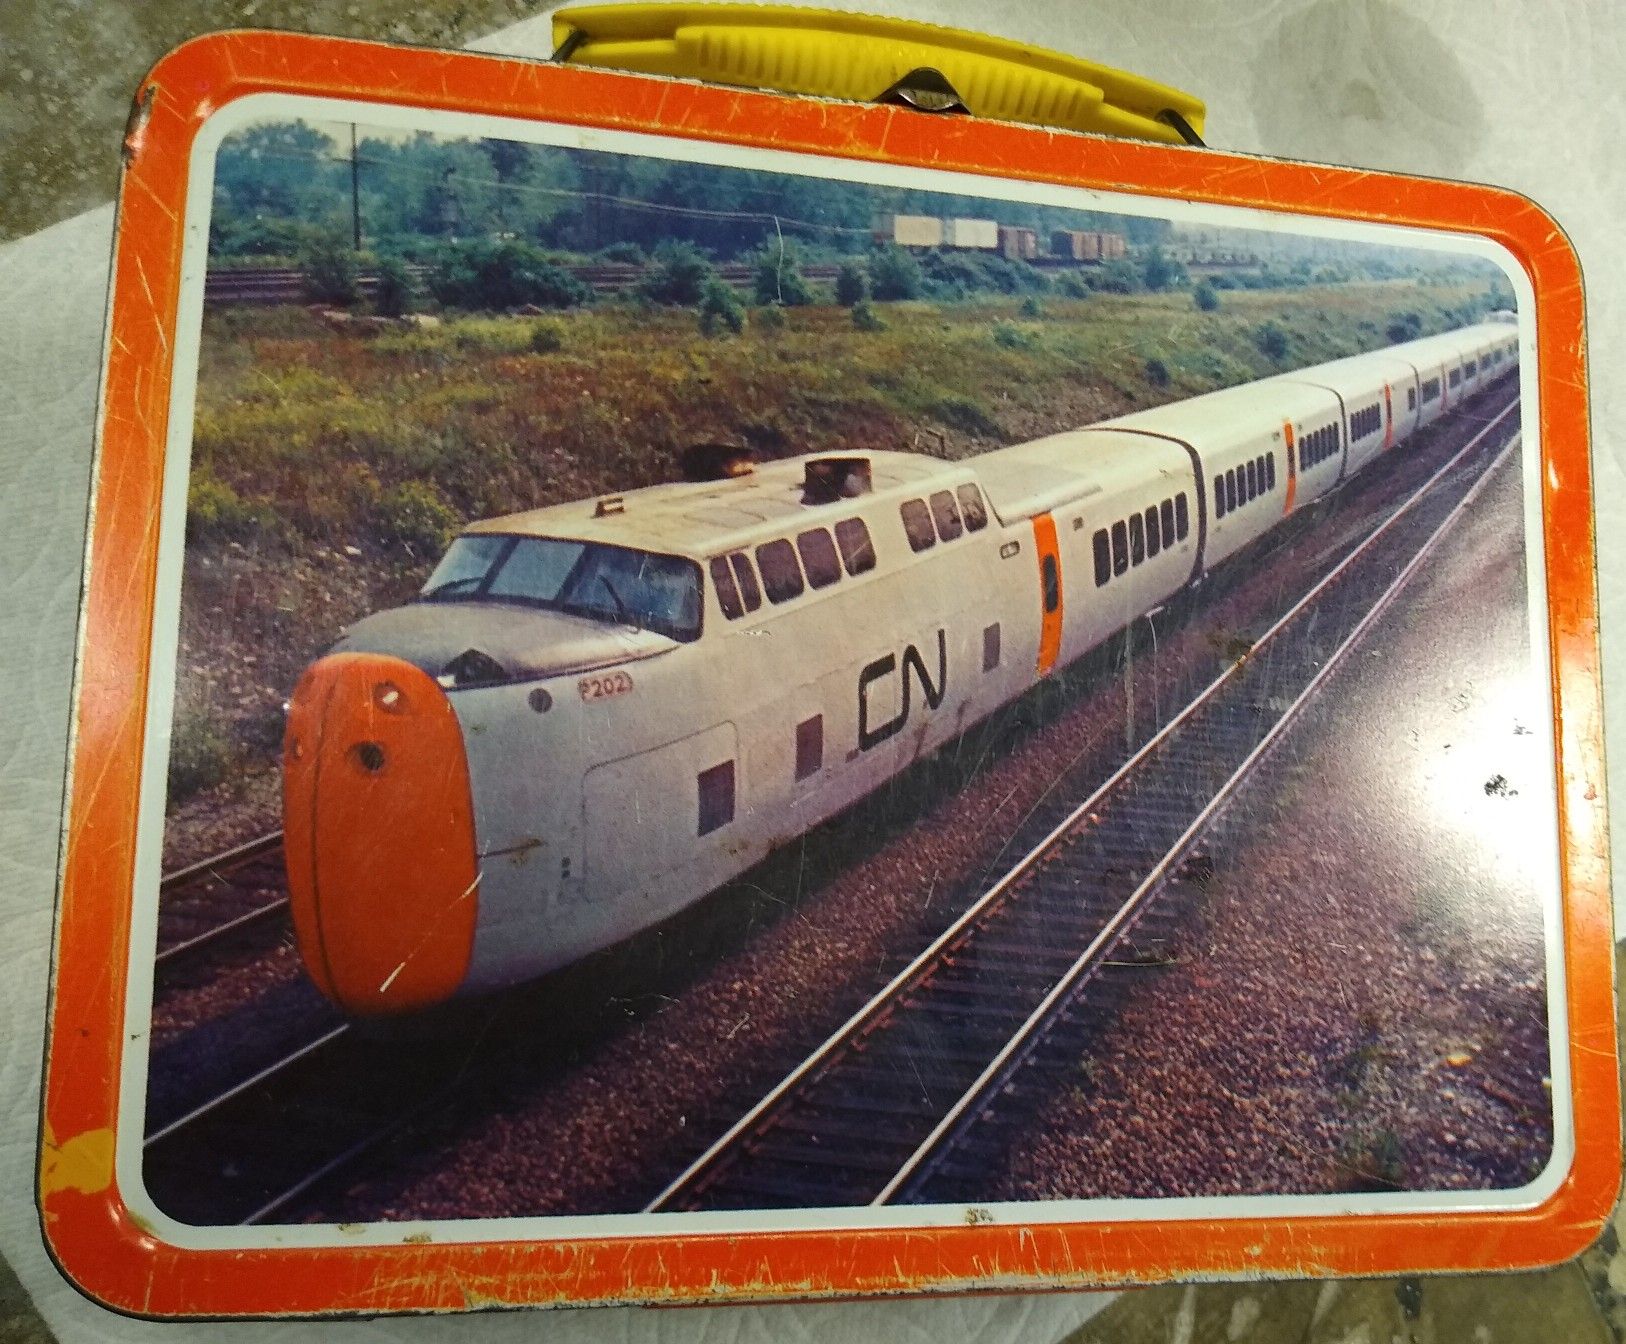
(378, 830)
(1050, 598)
(1292, 468)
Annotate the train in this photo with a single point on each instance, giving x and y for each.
(595, 714)
(1077, 246)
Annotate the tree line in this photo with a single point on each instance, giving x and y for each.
(277, 184)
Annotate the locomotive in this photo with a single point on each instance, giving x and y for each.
(596, 713)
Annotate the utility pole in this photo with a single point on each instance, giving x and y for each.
(355, 189)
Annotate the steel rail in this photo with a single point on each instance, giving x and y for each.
(1010, 1057)
(883, 1002)
(228, 858)
(219, 868)
(237, 1089)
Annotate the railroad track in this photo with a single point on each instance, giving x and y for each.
(256, 1147)
(909, 1098)
(286, 284)
(886, 1107)
(233, 900)
(248, 1151)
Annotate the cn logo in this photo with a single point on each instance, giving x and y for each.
(914, 669)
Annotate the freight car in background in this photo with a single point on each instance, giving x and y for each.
(909, 230)
(980, 235)
(1211, 256)
(1075, 246)
(1018, 244)
(1087, 245)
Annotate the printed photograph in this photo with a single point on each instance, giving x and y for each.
(706, 687)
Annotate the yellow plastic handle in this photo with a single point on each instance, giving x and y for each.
(833, 54)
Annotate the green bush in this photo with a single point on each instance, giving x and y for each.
(779, 279)
(1157, 372)
(679, 276)
(627, 253)
(894, 274)
(415, 515)
(1158, 272)
(1404, 327)
(394, 294)
(257, 238)
(771, 318)
(865, 318)
(720, 308)
(216, 512)
(1009, 336)
(1271, 340)
(547, 338)
(481, 274)
(1073, 285)
(957, 275)
(1031, 307)
(1206, 297)
(330, 269)
(852, 284)
(1118, 277)
(200, 755)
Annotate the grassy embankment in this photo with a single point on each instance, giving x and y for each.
(330, 462)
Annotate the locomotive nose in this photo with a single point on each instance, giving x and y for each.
(378, 830)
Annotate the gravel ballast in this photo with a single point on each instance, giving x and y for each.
(1360, 1003)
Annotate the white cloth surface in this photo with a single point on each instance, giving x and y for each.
(1514, 92)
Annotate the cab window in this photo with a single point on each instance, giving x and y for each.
(728, 593)
(746, 575)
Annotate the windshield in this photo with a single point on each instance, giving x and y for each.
(584, 578)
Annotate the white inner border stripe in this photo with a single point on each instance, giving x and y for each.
(149, 838)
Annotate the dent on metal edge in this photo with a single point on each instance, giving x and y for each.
(135, 125)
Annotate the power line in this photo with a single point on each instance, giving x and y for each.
(628, 202)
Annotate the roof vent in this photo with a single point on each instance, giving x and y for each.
(610, 504)
(829, 479)
(716, 461)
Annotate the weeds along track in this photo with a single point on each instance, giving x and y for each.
(899, 1104)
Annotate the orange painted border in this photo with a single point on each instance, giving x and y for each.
(113, 1257)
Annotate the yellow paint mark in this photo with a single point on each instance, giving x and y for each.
(84, 1163)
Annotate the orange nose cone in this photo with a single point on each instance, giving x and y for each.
(378, 830)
